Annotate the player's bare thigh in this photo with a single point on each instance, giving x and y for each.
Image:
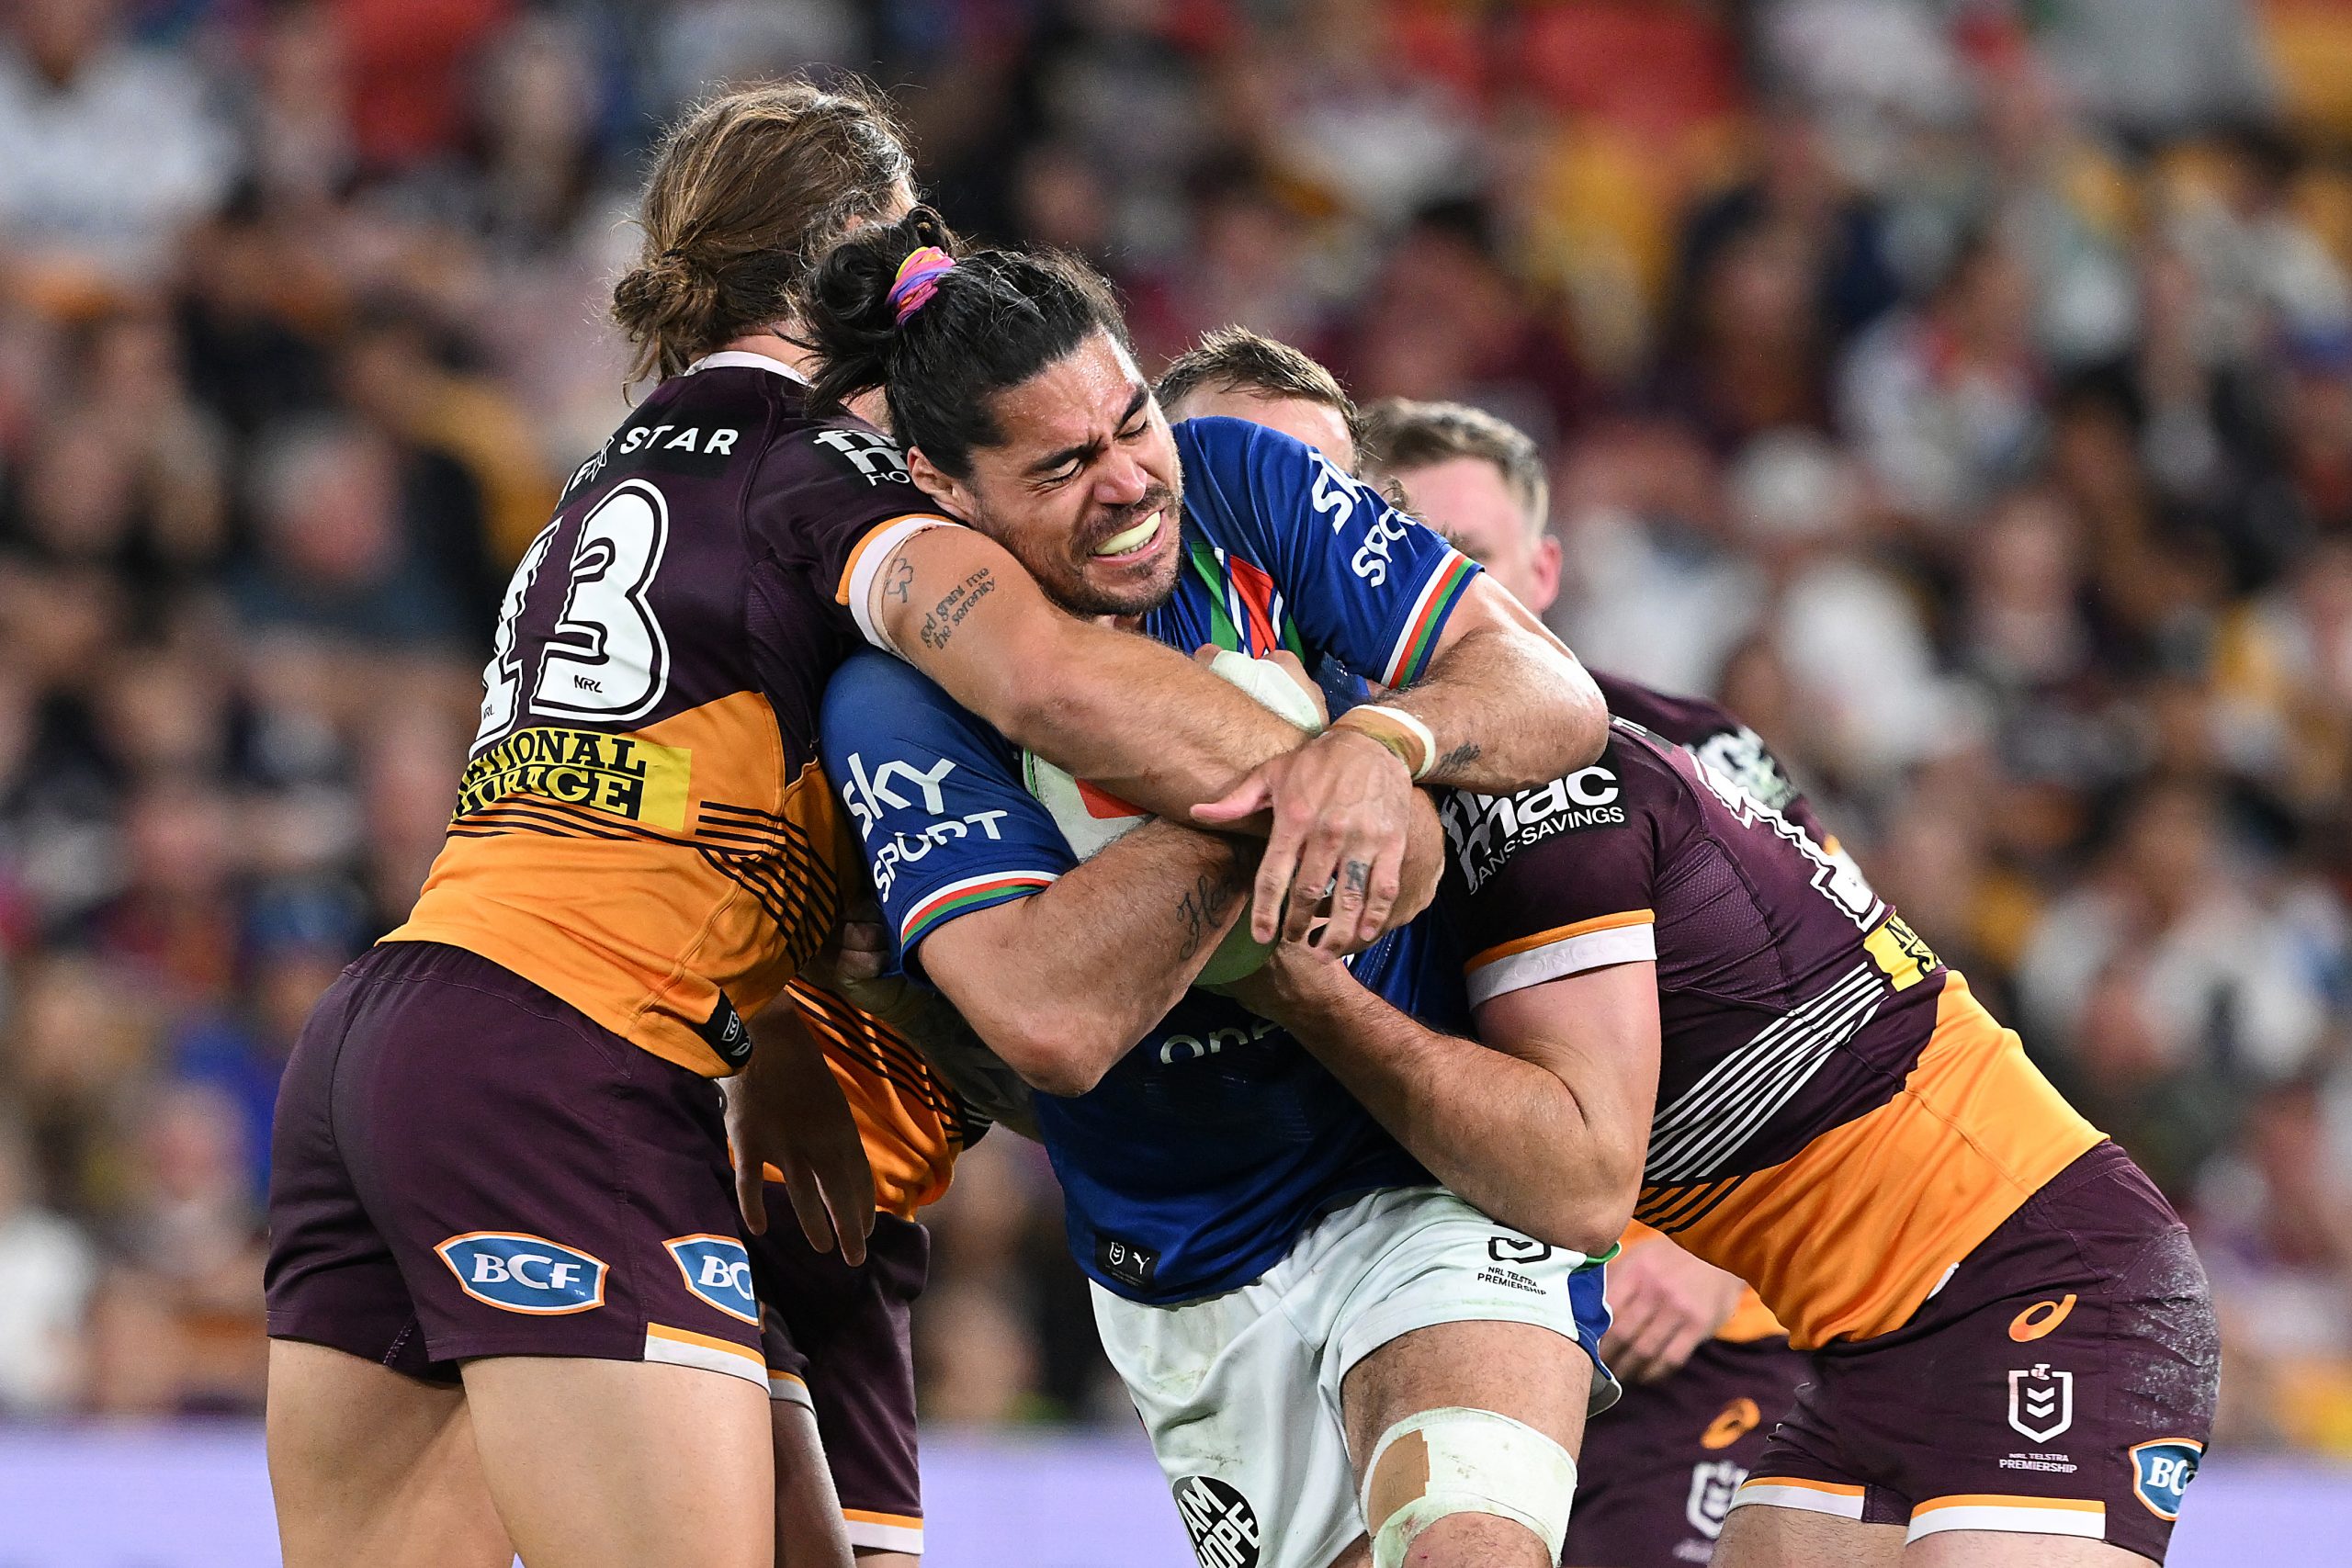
(369, 1466)
(1760, 1536)
(625, 1464)
(1993, 1548)
(809, 1528)
(1529, 1373)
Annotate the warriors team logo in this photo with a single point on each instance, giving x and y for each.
(515, 1271)
(2161, 1472)
(1713, 1482)
(1219, 1519)
(2042, 1402)
(718, 1271)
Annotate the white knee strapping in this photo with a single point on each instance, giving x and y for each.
(1479, 1463)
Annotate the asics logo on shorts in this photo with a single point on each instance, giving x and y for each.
(1739, 1417)
(718, 1271)
(2040, 1318)
(515, 1271)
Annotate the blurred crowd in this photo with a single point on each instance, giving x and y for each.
(1960, 388)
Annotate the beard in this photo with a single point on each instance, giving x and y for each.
(1071, 576)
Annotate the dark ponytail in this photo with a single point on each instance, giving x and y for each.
(994, 320)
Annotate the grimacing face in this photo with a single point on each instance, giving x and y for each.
(1085, 488)
(1319, 425)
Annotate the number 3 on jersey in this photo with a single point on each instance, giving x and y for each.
(606, 659)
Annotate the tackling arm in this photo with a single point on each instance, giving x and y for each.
(1062, 984)
(1555, 723)
(1114, 708)
(1542, 1126)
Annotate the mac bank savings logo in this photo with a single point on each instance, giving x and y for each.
(515, 1271)
(1485, 830)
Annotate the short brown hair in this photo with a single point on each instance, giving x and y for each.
(1235, 359)
(747, 193)
(1401, 432)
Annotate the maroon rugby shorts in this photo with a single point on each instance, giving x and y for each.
(2060, 1383)
(1658, 1471)
(465, 1166)
(839, 1342)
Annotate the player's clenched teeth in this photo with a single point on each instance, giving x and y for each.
(1129, 540)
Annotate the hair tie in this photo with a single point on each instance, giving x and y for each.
(917, 279)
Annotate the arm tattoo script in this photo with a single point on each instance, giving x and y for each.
(1460, 756)
(1205, 902)
(939, 623)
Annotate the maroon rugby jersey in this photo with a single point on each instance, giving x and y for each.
(1716, 734)
(640, 828)
(1838, 1122)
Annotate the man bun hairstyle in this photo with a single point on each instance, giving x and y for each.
(1235, 359)
(745, 195)
(1401, 433)
(989, 323)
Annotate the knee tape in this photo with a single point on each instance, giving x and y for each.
(1457, 1460)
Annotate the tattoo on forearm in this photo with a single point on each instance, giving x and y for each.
(940, 622)
(902, 581)
(1460, 756)
(1205, 904)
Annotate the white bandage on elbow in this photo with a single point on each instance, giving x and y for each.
(1457, 1460)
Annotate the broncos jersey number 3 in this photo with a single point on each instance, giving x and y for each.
(607, 659)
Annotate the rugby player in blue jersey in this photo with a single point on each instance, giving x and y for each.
(1339, 1361)
(1705, 1362)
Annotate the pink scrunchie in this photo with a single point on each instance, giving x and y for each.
(917, 279)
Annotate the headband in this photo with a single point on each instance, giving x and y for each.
(917, 279)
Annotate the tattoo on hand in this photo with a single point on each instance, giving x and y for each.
(1462, 755)
(1359, 877)
(902, 581)
(940, 622)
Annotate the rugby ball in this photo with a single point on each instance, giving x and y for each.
(1092, 819)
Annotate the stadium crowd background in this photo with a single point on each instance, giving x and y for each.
(1961, 388)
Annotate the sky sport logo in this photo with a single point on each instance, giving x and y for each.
(1218, 1519)
(515, 1271)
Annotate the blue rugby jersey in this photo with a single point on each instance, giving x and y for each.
(1199, 1158)
(1195, 1164)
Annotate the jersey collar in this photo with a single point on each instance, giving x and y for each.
(726, 357)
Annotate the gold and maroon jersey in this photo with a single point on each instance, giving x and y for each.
(1839, 1121)
(641, 828)
(912, 1123)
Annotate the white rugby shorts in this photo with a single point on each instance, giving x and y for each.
(1240, 1391)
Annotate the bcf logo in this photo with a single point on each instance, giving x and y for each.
(515, 1271)
(2162, 1470)
(718, 1271)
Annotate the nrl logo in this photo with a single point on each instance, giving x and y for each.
(1713, 1482)
(2042, 1402)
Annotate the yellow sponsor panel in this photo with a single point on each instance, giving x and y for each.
(619, 774)
(1901, 953)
